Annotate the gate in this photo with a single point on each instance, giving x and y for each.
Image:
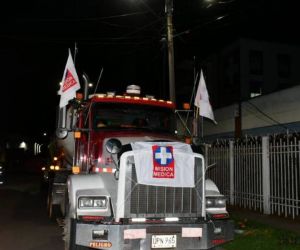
(258, 173)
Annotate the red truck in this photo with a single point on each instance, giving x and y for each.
(129, 182)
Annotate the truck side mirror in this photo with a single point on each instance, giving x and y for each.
(65, 121)
(113, 146)
(61, 133)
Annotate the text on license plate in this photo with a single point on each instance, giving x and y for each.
(163, 241)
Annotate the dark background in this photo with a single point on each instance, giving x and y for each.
(124, 37)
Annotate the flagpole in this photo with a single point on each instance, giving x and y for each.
(75, 52)
(192, 96)
(196, 122)
(202, 127)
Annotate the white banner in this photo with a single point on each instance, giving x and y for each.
(169, 164)
(202, 100)
(70, 83)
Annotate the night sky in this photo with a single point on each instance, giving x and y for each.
(125, 38)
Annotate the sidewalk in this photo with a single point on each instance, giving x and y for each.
(271, 220)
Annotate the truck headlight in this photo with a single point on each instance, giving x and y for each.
(220, 202)
(215, 202)
(92, 202)
(209, 202)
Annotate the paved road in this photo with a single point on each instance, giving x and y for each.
(23, 220)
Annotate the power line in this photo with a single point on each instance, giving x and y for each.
(269, 117)
(86, 19)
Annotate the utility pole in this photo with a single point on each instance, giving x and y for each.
(238, 121)
(169, 12)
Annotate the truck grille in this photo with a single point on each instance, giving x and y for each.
(157, 201)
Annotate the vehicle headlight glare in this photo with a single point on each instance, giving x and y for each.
(220, 202)
(100, 203)
(209, 202)
(215, 202)
(85, 202)
(92, 202)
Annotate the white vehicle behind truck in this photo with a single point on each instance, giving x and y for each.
(134, 184)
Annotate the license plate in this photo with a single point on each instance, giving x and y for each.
(164, 241)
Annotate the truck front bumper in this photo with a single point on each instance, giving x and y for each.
(140, 236)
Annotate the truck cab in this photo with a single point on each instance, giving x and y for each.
(134, 184)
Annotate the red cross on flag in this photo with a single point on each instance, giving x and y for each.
(163, 162)
(70, 83)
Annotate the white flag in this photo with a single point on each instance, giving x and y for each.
(70, 83)
(202, 100)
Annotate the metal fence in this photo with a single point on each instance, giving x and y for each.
(261, 173)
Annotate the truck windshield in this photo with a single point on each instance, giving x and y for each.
(132, 116)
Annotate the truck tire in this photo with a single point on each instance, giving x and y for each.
(70, 233)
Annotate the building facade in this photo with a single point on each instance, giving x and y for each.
(258, 80)
(249, 68)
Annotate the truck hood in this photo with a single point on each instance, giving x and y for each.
(102, 157)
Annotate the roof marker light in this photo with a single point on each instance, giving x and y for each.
(171, 219)
(150, 96)
(103, 170)
(133, 90)
(138, 220)
(98, 95)
(111, 94)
